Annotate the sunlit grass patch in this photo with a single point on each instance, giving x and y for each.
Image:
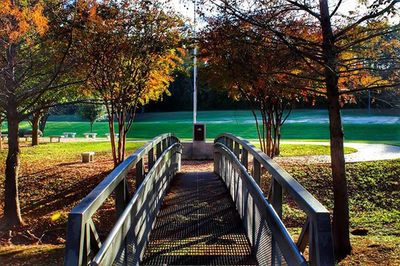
(306, 149)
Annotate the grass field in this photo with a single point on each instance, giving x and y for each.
(61, 151)
(302, 125)
(374, 199)
(306, 149)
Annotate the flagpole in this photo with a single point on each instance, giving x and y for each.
(194, 64)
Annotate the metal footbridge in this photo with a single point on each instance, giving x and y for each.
(149, 212)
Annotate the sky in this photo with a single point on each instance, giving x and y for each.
(185, 7)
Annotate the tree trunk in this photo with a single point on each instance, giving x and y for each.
(35, 129)
(278, 140)
(341, 223)
(43, 120)
(12, 212)
(341, 217)
(1, 135)
(112, 136)
(121, 130)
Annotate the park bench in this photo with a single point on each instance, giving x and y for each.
(87, 157)
(108, 135)
(58, 138)
(90, 135)
(69, 134)
(27, 137)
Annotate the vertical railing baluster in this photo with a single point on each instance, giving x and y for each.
(276, 199)
(164, 145)
(87, 244)
(216, 162)
(236, 149)
(253, 224)
(311, 243)
(168, 141)
(121, 197)
(304, 235)
(230, 144)
(150, 159)
(178, 158)
(139, 173)
(158, 150)
(245, 158)
(256, 171)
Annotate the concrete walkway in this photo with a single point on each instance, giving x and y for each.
(365, 152)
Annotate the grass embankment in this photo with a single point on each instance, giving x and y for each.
(374, 190)
(52, 181)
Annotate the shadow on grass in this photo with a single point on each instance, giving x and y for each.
(65, 197)
(32, 255)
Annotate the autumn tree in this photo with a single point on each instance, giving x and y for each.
(335, 46)
(91, 112)
(39, 111)
(132, 49)
(252, 66)
(34, 64)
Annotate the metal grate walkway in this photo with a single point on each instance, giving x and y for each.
(198, 224)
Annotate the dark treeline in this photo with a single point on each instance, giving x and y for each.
(209, 98)
(181, 97)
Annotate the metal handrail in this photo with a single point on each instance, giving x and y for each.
(316, 231)
(278, 229)
(124, 220)
(82, 238)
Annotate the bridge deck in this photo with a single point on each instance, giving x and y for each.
(198, 224)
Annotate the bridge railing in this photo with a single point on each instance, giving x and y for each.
(135, 215)
(262, 215)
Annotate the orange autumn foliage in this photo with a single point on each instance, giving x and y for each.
(21, 21)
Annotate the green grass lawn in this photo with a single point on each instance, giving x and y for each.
(65, 150)
(374, 192)
(59, 151)
(302, 125)
(306, 149)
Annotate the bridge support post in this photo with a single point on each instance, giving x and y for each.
(178, 159)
